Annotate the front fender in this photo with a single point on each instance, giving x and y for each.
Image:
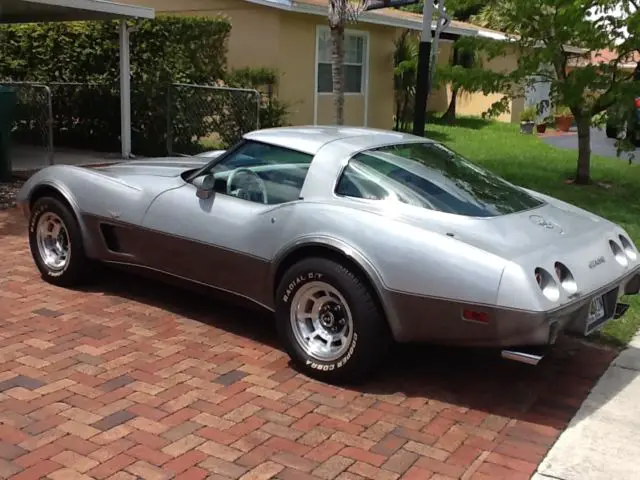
(36, 186)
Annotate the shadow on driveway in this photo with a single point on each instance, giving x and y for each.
(475, 379)
(139, 354)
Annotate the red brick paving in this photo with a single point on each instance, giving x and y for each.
(133, 379)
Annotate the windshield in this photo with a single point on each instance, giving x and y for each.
(429, 175)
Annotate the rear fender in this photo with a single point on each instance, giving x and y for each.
(342, 248)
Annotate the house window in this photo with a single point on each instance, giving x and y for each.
(355, 47)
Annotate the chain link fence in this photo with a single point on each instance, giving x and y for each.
(32, 129)
(80, 122)
(86, 116)
(203, 117)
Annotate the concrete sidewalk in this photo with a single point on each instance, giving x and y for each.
(601, 442)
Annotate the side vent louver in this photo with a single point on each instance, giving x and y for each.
(110, 237)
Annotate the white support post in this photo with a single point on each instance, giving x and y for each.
(125, 91)
(427, 19)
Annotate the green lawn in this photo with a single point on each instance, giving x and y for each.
(527, 161)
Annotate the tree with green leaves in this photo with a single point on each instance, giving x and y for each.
(462, 57)
(405, 61)
(555, 41)
(465, 58)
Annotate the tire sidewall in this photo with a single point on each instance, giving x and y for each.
(299, 276)
(42, 207)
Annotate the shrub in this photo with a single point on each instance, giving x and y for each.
(220, 115)
(273, 111)
(165, 50)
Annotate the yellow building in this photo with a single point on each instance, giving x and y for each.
(293, 38)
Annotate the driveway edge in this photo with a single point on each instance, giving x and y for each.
(600, 442)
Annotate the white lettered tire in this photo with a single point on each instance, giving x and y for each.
(56, 243)
(330, 322)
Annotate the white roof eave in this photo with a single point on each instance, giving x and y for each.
(367, 17)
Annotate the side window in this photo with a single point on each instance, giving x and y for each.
(358, 181)
(262, 173)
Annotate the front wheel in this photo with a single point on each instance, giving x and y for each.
(56, 243)
(330, 322)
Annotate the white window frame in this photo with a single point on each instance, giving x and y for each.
(365, 72)
(365, 60)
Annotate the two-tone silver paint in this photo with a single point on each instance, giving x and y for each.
(426, 266)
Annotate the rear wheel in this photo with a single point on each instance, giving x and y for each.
(56, 243)
(330, 322)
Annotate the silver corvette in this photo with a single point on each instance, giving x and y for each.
(354, 238)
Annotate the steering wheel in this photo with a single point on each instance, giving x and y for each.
(246, 193)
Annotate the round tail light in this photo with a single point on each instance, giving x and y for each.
(547, 284)
(628, 247)
(619, 255)
(567, 281)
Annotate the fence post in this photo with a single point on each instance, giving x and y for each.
(50, 124)
(169, 123)
(258, 97)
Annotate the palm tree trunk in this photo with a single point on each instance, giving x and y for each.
(450, 115)
(405, 108)
(337, 71)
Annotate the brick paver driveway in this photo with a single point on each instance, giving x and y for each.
(132, 379)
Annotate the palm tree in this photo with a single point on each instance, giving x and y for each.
(405, 64)
(341, 12)
(466, 58)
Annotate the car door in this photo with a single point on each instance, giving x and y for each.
(229, 239)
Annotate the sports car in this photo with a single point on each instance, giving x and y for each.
(354, 237)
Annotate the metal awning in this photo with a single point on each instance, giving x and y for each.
(28, 11)
(39, 11)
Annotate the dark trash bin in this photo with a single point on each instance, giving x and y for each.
(8, 100)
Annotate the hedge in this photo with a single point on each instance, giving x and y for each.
(163, 51)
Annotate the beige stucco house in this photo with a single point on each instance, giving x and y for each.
(292, 37)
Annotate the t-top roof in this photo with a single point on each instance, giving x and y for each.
(31, 11)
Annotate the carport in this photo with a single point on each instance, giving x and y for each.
(38, 11)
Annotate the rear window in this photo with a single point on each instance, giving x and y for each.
(430, 175)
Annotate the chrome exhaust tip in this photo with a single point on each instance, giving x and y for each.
(523, 357)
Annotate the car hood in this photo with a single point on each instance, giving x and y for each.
(160, 167)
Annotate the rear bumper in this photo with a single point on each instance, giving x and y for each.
(441, 321)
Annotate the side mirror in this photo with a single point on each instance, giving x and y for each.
(204, 186)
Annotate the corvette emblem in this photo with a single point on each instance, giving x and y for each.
(597, 261)
(542, 222)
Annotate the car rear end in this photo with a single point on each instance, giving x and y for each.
(575, 282)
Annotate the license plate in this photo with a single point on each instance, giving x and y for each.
(596, 312)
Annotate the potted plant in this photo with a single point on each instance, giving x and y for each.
(541, 108)
(527, 120)
(564, 118)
